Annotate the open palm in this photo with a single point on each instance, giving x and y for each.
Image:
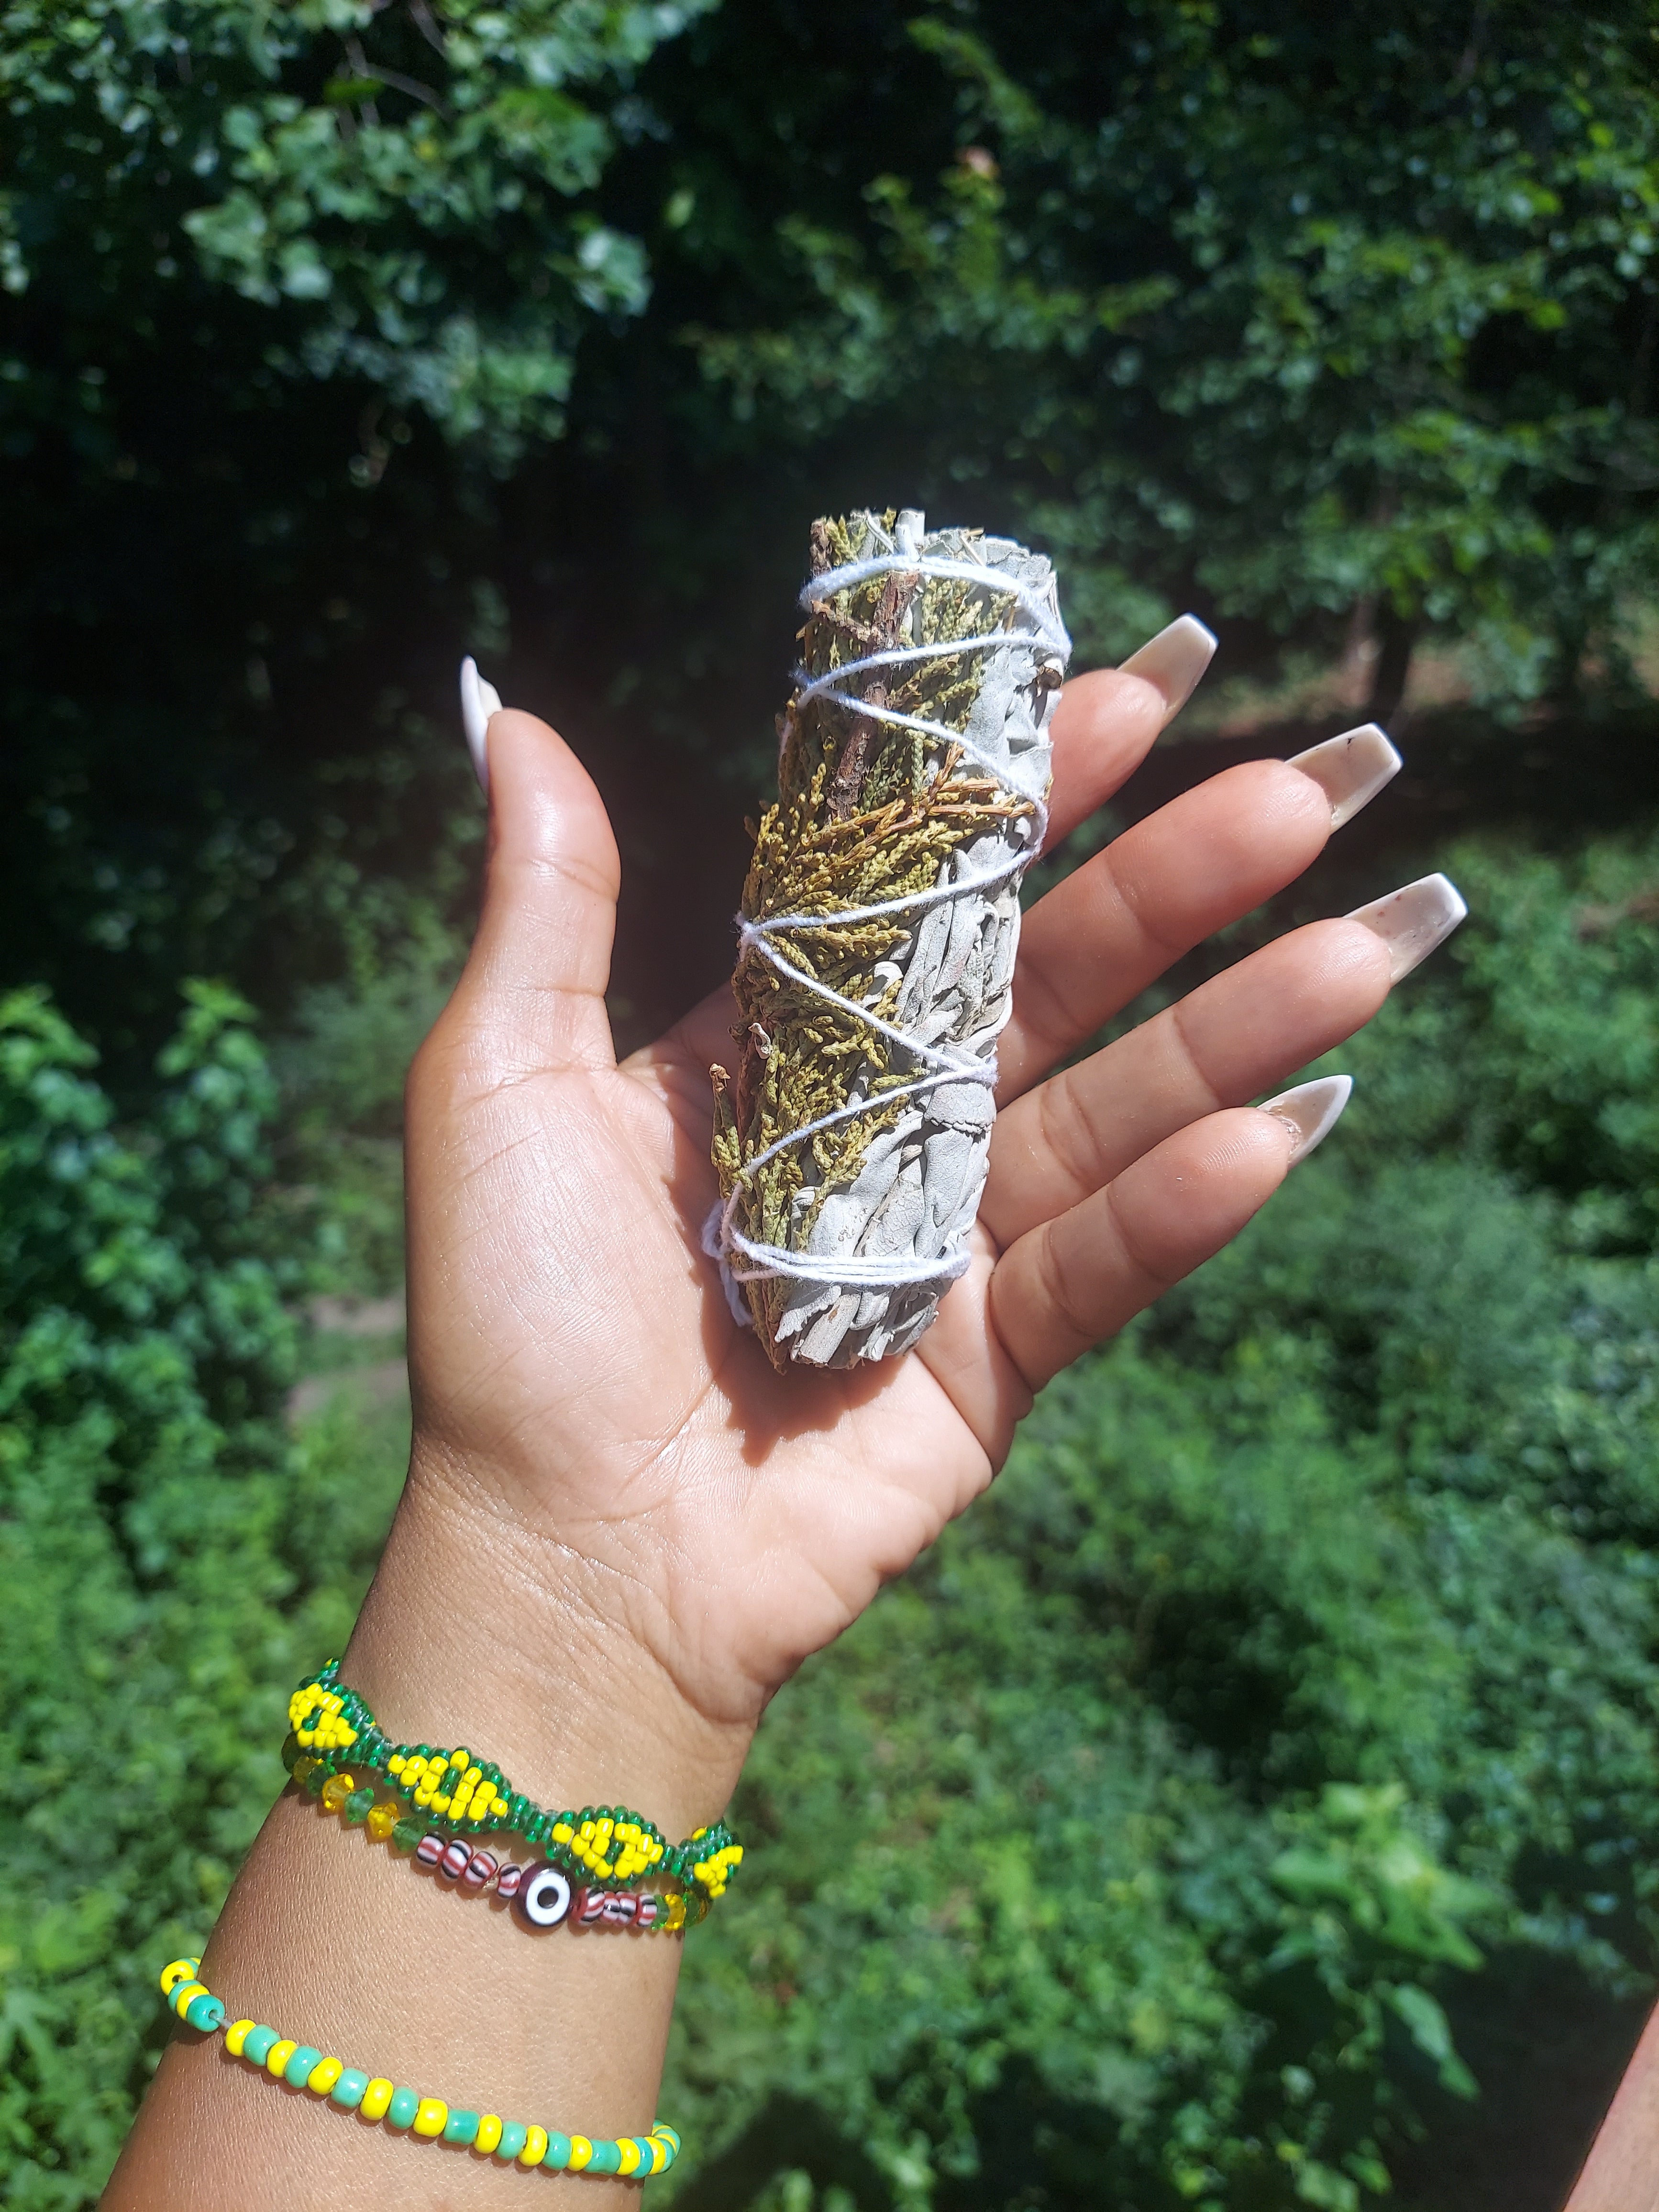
(579, 1382)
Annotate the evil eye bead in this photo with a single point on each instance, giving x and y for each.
(542, 1898)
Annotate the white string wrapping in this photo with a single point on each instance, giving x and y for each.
(854, 1305)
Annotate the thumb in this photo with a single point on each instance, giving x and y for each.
(541, 959)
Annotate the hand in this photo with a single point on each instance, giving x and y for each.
(623, 1529)
(582, 1392)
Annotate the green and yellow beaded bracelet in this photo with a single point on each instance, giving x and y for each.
(333, 1732)
(374, 2097)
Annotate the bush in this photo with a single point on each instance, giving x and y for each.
(1136, 1849)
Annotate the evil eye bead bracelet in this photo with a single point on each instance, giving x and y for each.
(334, 1737)
(375, 2097)
(542, 1895)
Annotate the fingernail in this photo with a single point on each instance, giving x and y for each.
(1174, 660)
(1350, 769)
(479, 701)
(1311, 1111)
(1411, 921)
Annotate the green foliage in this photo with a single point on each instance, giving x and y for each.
(1133, 1851)
(352, 337)
(414, 196)
(152, 1518)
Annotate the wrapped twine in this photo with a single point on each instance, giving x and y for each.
(879, 924)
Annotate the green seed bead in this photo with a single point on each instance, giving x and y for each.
(461, 2127)
(255, 2045)
(359, 1806)
(514, 2135)
(347, 2090)
(400, 2112)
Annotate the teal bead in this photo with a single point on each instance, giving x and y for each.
(400, 2112)
(347, 2090)
(668, 2135)
(256, 2047)
(606, 2158)
(299, 2065)
(646, 2150)
(514, 2135)
(205, 2012)
(461, 2127)
(558, 2152)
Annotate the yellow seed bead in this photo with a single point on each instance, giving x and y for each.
(236, 2035)
(395, 1763)
(474, 1776)
(535, 2147)
(580, 2151)
(324, 2075)
(181, 1970)
(490, 2133)
(376, 2098)
(441, 1804)
(185, 1996)
(278, 2056)
(430, 2115)
(629, 2151)
(562, 1834)
(498, 1805)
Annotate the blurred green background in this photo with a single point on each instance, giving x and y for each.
(1254, 1802)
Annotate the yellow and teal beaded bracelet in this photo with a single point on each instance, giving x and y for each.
(374, 2097)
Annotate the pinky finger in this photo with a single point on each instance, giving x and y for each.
(1063, 1286)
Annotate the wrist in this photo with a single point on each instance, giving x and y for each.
(483, 1629)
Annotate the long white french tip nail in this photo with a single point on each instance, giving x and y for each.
(479, 701)
(1413, 921)
(1174, 660)
(1311, 1111)
(1351, 770)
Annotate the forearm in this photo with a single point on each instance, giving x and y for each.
(1621, 2174)
(335, 1939)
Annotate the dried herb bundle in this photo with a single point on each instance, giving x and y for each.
(880, 922)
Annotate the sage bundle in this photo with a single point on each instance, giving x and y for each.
(877, 940)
